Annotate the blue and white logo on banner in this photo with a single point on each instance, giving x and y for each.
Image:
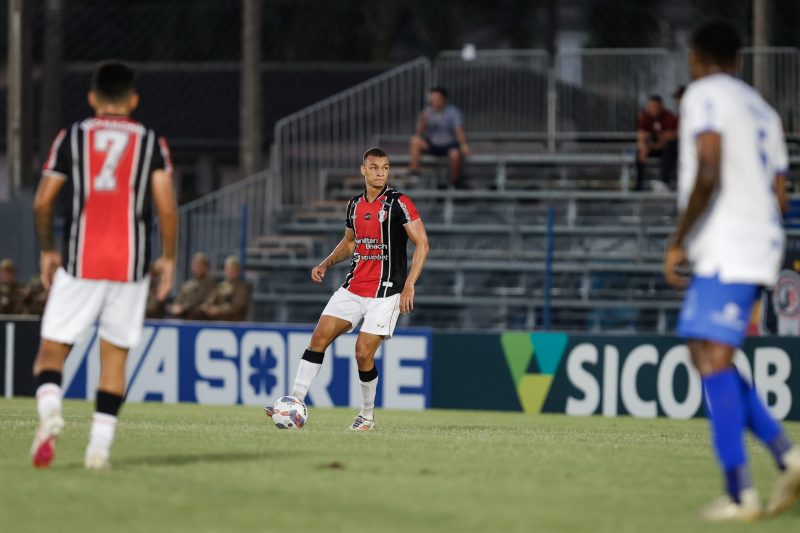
(253, 365)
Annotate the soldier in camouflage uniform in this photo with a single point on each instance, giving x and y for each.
(194, 292)
(10, 289)
(34, 296)
(231, 297)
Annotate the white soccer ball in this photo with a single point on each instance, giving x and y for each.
(289, 413)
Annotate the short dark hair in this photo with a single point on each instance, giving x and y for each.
(655, 98)
(113, 80)
(439, 89)
(374, 152)
(716, 41)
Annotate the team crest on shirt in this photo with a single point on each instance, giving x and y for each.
(381, 216)
(368, 216)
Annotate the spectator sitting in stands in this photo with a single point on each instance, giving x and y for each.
(11, 297)
(231, 298)
(34, 296)
(657, 136)
(194, 292)
(440, 132)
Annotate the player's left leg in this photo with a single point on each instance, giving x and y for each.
(367, 345)
(48, 369)
(110, 392)
(380, 320)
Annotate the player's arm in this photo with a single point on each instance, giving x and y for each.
(167, 209)
(416, 234)
(343, 251)
(43, 212)
(709, 151)
(665, 137)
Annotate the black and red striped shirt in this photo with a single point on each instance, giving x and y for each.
(106, 163)
(380, 261)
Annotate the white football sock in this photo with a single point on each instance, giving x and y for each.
(368, 391)
(102, 434)
(48, 400)
(306, 373)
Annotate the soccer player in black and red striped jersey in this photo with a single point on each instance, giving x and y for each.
(112, 168)
(378, 225)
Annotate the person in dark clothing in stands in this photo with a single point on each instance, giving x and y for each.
(657, 136)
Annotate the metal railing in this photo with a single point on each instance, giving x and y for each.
(777, 78)
(592, 93)
(336, 131)
(498, 90)
(221, 224)
(599, 92)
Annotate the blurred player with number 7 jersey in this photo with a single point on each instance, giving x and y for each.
(111, 168)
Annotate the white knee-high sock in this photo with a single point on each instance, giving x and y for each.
(48, 400)
(369, 388)
(310, 365)
(104, 426)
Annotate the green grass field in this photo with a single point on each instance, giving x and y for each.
(199, 468)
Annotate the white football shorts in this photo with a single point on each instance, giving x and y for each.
(76, 304)
(379, 314)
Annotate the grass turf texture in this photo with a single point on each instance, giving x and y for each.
(201, 468)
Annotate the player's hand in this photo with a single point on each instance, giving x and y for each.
(465, 151)
(166, 277)
(407, 299)
(48, 264)
(318, 273)
(674, 261)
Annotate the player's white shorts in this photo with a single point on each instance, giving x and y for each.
(379, 314)
(75, 305)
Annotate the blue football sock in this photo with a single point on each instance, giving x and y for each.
(726, 413)
(760, 422)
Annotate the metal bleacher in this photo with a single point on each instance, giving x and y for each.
(487, 260)
(569, 150)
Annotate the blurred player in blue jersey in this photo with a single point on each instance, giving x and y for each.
(731, 189)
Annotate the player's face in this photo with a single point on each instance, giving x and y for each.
(376, 171)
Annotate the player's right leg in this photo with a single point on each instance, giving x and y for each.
(327, 330)
(713, 320)
(343, 311)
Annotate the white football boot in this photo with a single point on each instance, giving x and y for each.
(43, 448)
(724, 509)
(96, 459)
(787, 487)
(362, 424)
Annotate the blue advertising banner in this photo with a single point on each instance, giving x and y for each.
(253, 364)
